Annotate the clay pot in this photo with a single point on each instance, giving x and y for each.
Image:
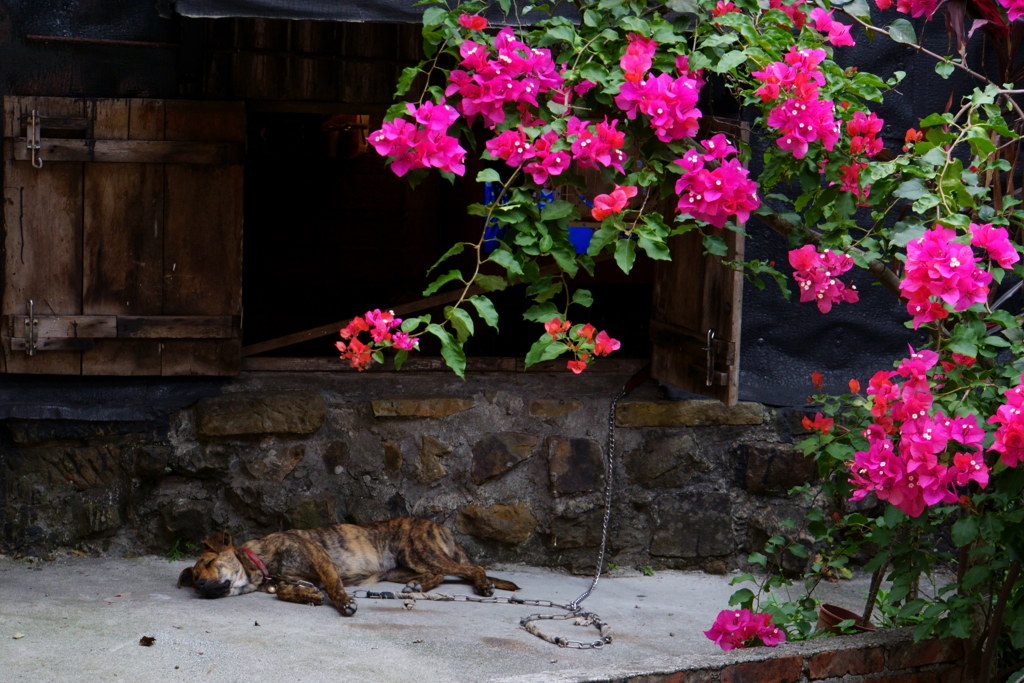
(830, 615)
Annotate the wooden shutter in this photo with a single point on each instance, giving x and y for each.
(696, 311)
(128, 239)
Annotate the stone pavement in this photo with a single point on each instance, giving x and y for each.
(82, 619)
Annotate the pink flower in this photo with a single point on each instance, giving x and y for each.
(734, 628)
(996, 242)
(555, 327)
(512, 146)
(970, 467)
(638, 57)
(917, 8)
(838, 33)
(1014, 8)
(548, 161)
(404, 342)
(863, 129)
(723, 7)
(819, 423)
(603, 344)
(818, 276)
(713, 195)
(1010, 434)
(796, 16)
(473, 22)
(577, 366)
(937, 267)
(607, 204)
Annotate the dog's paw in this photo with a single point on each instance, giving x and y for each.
(412, 587)
(487, 591)
(348, 610)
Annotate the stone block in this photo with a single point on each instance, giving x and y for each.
(275, 465)
(554, 407)
(100, 518)
(431, 453)
(763, 523)
(393, 458)
(190, 520)
(775, 468)
(436, 407)
(667, 462)
(311, 513)
(574, 465)
(687, 414)
(909, 655)
(842, 662)
(151, 461)
(292, 412)
(582, 531)
(693, 525)
(335, 457)
(781, 670)
(509, 524)
(497, 453)
(702, 676)
(200, 461)
(82, 468)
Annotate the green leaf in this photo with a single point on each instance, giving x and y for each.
(625, 254)
(434, 16)
(729, 61)
(461, 321)
(541, 313)
(944, 69)
(454, 251)
(713, 244)
(400, 358)
(405, 80)
(555, 210)
(741, 597)
(902, 31)
(491, 283)
(582, 297)
(964, 531)
(506, 260)
(758, 558)
(485, 309)
(451, 350)
(488, 175)
(441, 281)
(975, 575)
(911, 189)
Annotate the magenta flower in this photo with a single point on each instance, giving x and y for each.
(817, 274)
(1014, 8)
(739, 627)
(838, 32)
(607, 204)
(937, 267)
(1010, 435)
(996, 242)
(473, 22)
(511, 146)
(636, 61)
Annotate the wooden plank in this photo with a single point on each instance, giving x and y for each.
(53, 344)
(203, 237)
(421, 364)
(123, 238)
(43, 237)
(177, 327)
(67, 326)
(132, 151)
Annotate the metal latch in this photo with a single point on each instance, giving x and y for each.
(710, 350)
(31, 323)
(32, 142)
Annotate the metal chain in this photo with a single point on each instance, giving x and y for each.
(573, 610)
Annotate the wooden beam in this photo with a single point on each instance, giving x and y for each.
(402, 309)
(133, 151)
(177, 327)
(606, 366)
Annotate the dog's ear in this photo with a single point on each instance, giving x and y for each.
(186, 579)
(219, 542)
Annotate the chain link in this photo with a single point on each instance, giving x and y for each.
(573, 611)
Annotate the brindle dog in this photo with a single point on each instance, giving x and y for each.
(417, 552)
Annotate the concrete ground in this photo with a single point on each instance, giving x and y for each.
(81, 619)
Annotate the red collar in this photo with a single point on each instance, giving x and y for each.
(256, 561)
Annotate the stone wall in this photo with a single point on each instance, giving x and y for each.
(512, 461)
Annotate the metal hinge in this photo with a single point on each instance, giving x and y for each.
(31, 326)
(32, 142)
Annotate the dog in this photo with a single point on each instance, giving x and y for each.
(416, 552)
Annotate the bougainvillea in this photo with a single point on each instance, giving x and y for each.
(817, 274)
(742, 628)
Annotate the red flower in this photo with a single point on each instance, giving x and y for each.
(587, 332)
(604, 344)
(473, 22)
(577, 366)
(555, 327)
(607, 204)
(816, 379)
(820, 422)
(854, 386)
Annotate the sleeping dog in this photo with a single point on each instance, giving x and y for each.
(417, 552)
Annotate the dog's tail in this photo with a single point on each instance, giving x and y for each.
(502, 584)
